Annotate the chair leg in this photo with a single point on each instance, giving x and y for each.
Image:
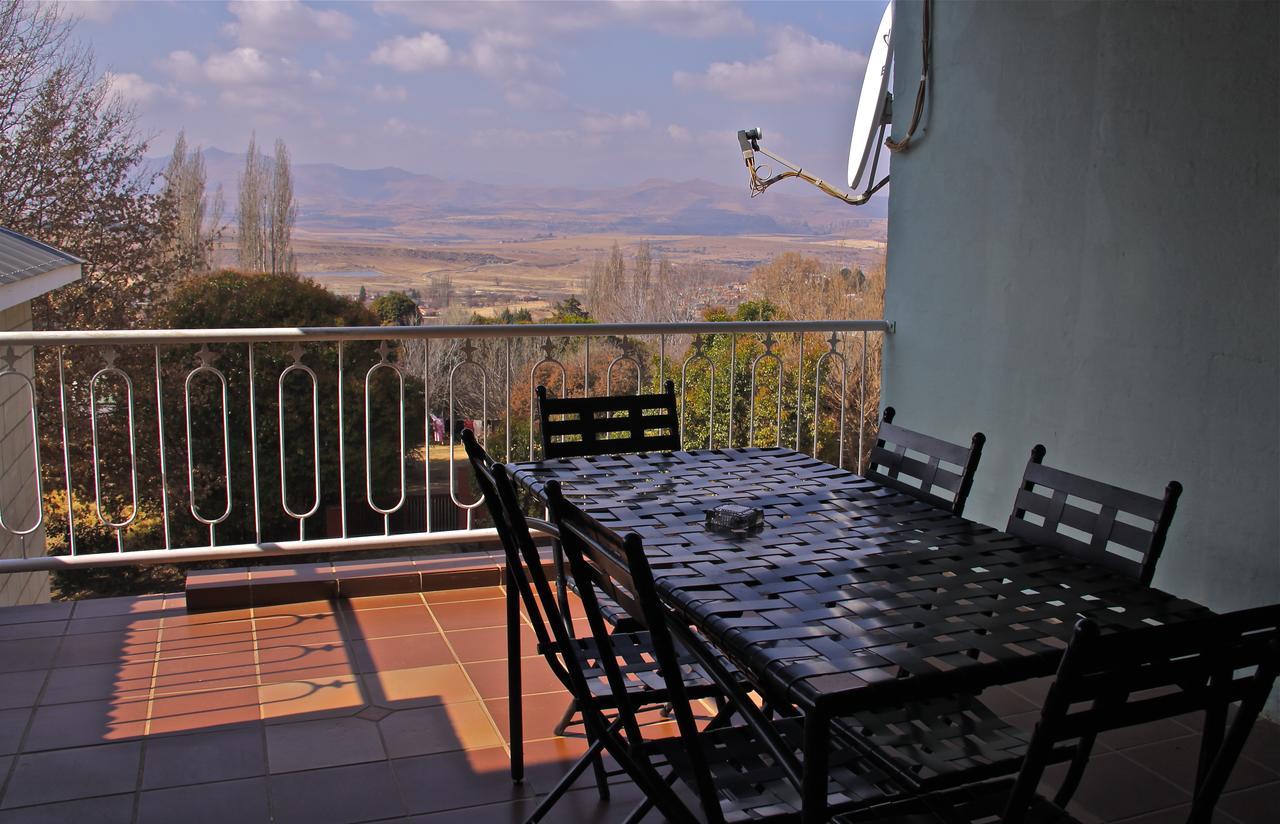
(566, 719)
(562, 786)
(515, 706)
(1075, 772)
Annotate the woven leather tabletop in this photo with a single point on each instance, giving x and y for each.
(852, 594)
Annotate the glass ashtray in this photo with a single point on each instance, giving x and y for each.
(734, 518)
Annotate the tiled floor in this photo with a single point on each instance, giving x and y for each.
(386, 708)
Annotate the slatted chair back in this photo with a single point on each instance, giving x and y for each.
(603, 563)
(609, 424)
(1096, 522)
(935, 471)
(523, 561)
(1106, 682)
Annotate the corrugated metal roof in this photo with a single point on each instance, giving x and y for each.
(22, 257)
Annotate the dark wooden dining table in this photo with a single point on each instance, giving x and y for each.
(852, 595)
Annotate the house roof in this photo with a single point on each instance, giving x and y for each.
(29, 268)
(22, 257)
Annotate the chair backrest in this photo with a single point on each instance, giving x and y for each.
(1094, 521)
(609, 424)
(603, 562)
(935, 471)
(523, 561)
(1108, 681)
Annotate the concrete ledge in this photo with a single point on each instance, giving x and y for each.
(242, 587)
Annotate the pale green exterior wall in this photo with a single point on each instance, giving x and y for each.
(1084, 251)
(18, 500)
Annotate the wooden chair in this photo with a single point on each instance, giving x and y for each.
(552, 627)
(1107, 682)
(1091, 520)
(933, 470)
(609, 424)
(745, 771)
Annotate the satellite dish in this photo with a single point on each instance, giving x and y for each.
(875, 111)
(871, 103)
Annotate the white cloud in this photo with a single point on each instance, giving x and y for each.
(523, 138)
(182, 65)
(136, 90)
(412, 54)
(279, 22)
(798, 65)
(605, 123)
(240, 66)
(95, 11)
(685, 18)
(681, 18)
(389, 94)
(679, 133)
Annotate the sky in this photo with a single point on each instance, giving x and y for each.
(589, 94)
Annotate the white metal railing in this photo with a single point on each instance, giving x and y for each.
(121, 382)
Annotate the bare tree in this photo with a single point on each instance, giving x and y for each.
(71, 172)
(197, 226)
(282, 213)
(250, 218)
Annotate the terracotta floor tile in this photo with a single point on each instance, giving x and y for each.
(471, 614)
(1254, 804)
(576, 807)
(205, 672)
(419, 686)
(302, 609)
(448, 596)
(324, 742)
(1114, 788)
(104, 648)
(195, 711)
(338, 795)
(55, 611)
(20, 689)
(98, 681)
(541, 714)
(1176, 761)
(296, 700)
(244, 800)
(13, 723)
(398, 599)
(114, 623)
(427, 730)
(113, 809)
(201, 757)
(402, 652)
(489, 644)
(26, 654)
(455, 779)
(40, 778)
(382, 623)
(490, 677)
(126, 605)
(297, 624)
(289, 662)
(206, 639)
(39, 629)
(85, 723)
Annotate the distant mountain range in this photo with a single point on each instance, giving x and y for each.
(394, 204)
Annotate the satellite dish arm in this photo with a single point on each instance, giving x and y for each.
(749, 140)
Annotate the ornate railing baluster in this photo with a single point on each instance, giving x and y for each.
(206, 366)
(767, 354)
(253, 449)
(66, 453)
(468, 359)
(386, 512)
(831, 352)
(109, 355)
(300, 517)
(699, 355)
(342, 447)
(164, 468)
(548, 349)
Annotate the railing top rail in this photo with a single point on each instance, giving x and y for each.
(519, 330)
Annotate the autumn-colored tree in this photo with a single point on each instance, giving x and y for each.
(395, 309)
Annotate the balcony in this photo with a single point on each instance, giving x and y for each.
(210, 445)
